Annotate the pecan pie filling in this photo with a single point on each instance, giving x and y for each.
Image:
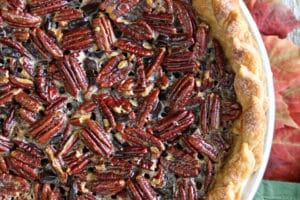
(111, 99)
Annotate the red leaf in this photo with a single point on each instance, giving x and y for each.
(292, 98)
(285, 155)
(272, 18)
(285, 59)
(284, 163)
(283, 116)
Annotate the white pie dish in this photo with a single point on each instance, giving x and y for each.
(254, 180)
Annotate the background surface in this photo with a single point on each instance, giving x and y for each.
(294, 5)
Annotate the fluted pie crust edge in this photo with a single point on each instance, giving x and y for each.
(230, 27)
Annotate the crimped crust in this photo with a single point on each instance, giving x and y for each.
(231, 29)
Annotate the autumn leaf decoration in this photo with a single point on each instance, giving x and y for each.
(284, 161)
(275, 21)
(272, 18)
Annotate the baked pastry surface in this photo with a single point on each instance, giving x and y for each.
(231, 29)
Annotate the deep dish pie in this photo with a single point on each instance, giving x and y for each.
(128, 99)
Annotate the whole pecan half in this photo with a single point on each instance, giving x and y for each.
(182, 61)
(183, 17)
(18, 19)
(141, 189)
(74, 76)
(215, 116)
(220, 59)
(161, 22)
(140, 30)
(106, 187)
(28, 102)
(23, 164)
(131, 152)
(47, 127)
(77, 39)
(25, 160)
(95, 138)
(181, 92)
(115, 169)
(185, 189)
(43, 7)
(11, 184)
(67, 14)
(46, 43)
(171, 126)
(176, 41)
(114, 71)
(104, 33)
(201, 39)
(139, 137)
(210, 119)
(30, 149)
(181, 163)
(131, 46)
(78, 164)
(203, 146)
(146, 107)
(58, 103)
(159, 18)
(167, 29)
(140, 83)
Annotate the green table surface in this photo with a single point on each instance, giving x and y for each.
(277, 190)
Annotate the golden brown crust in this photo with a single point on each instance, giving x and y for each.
(231, 29)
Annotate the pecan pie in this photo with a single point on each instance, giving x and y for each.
(128, 99)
